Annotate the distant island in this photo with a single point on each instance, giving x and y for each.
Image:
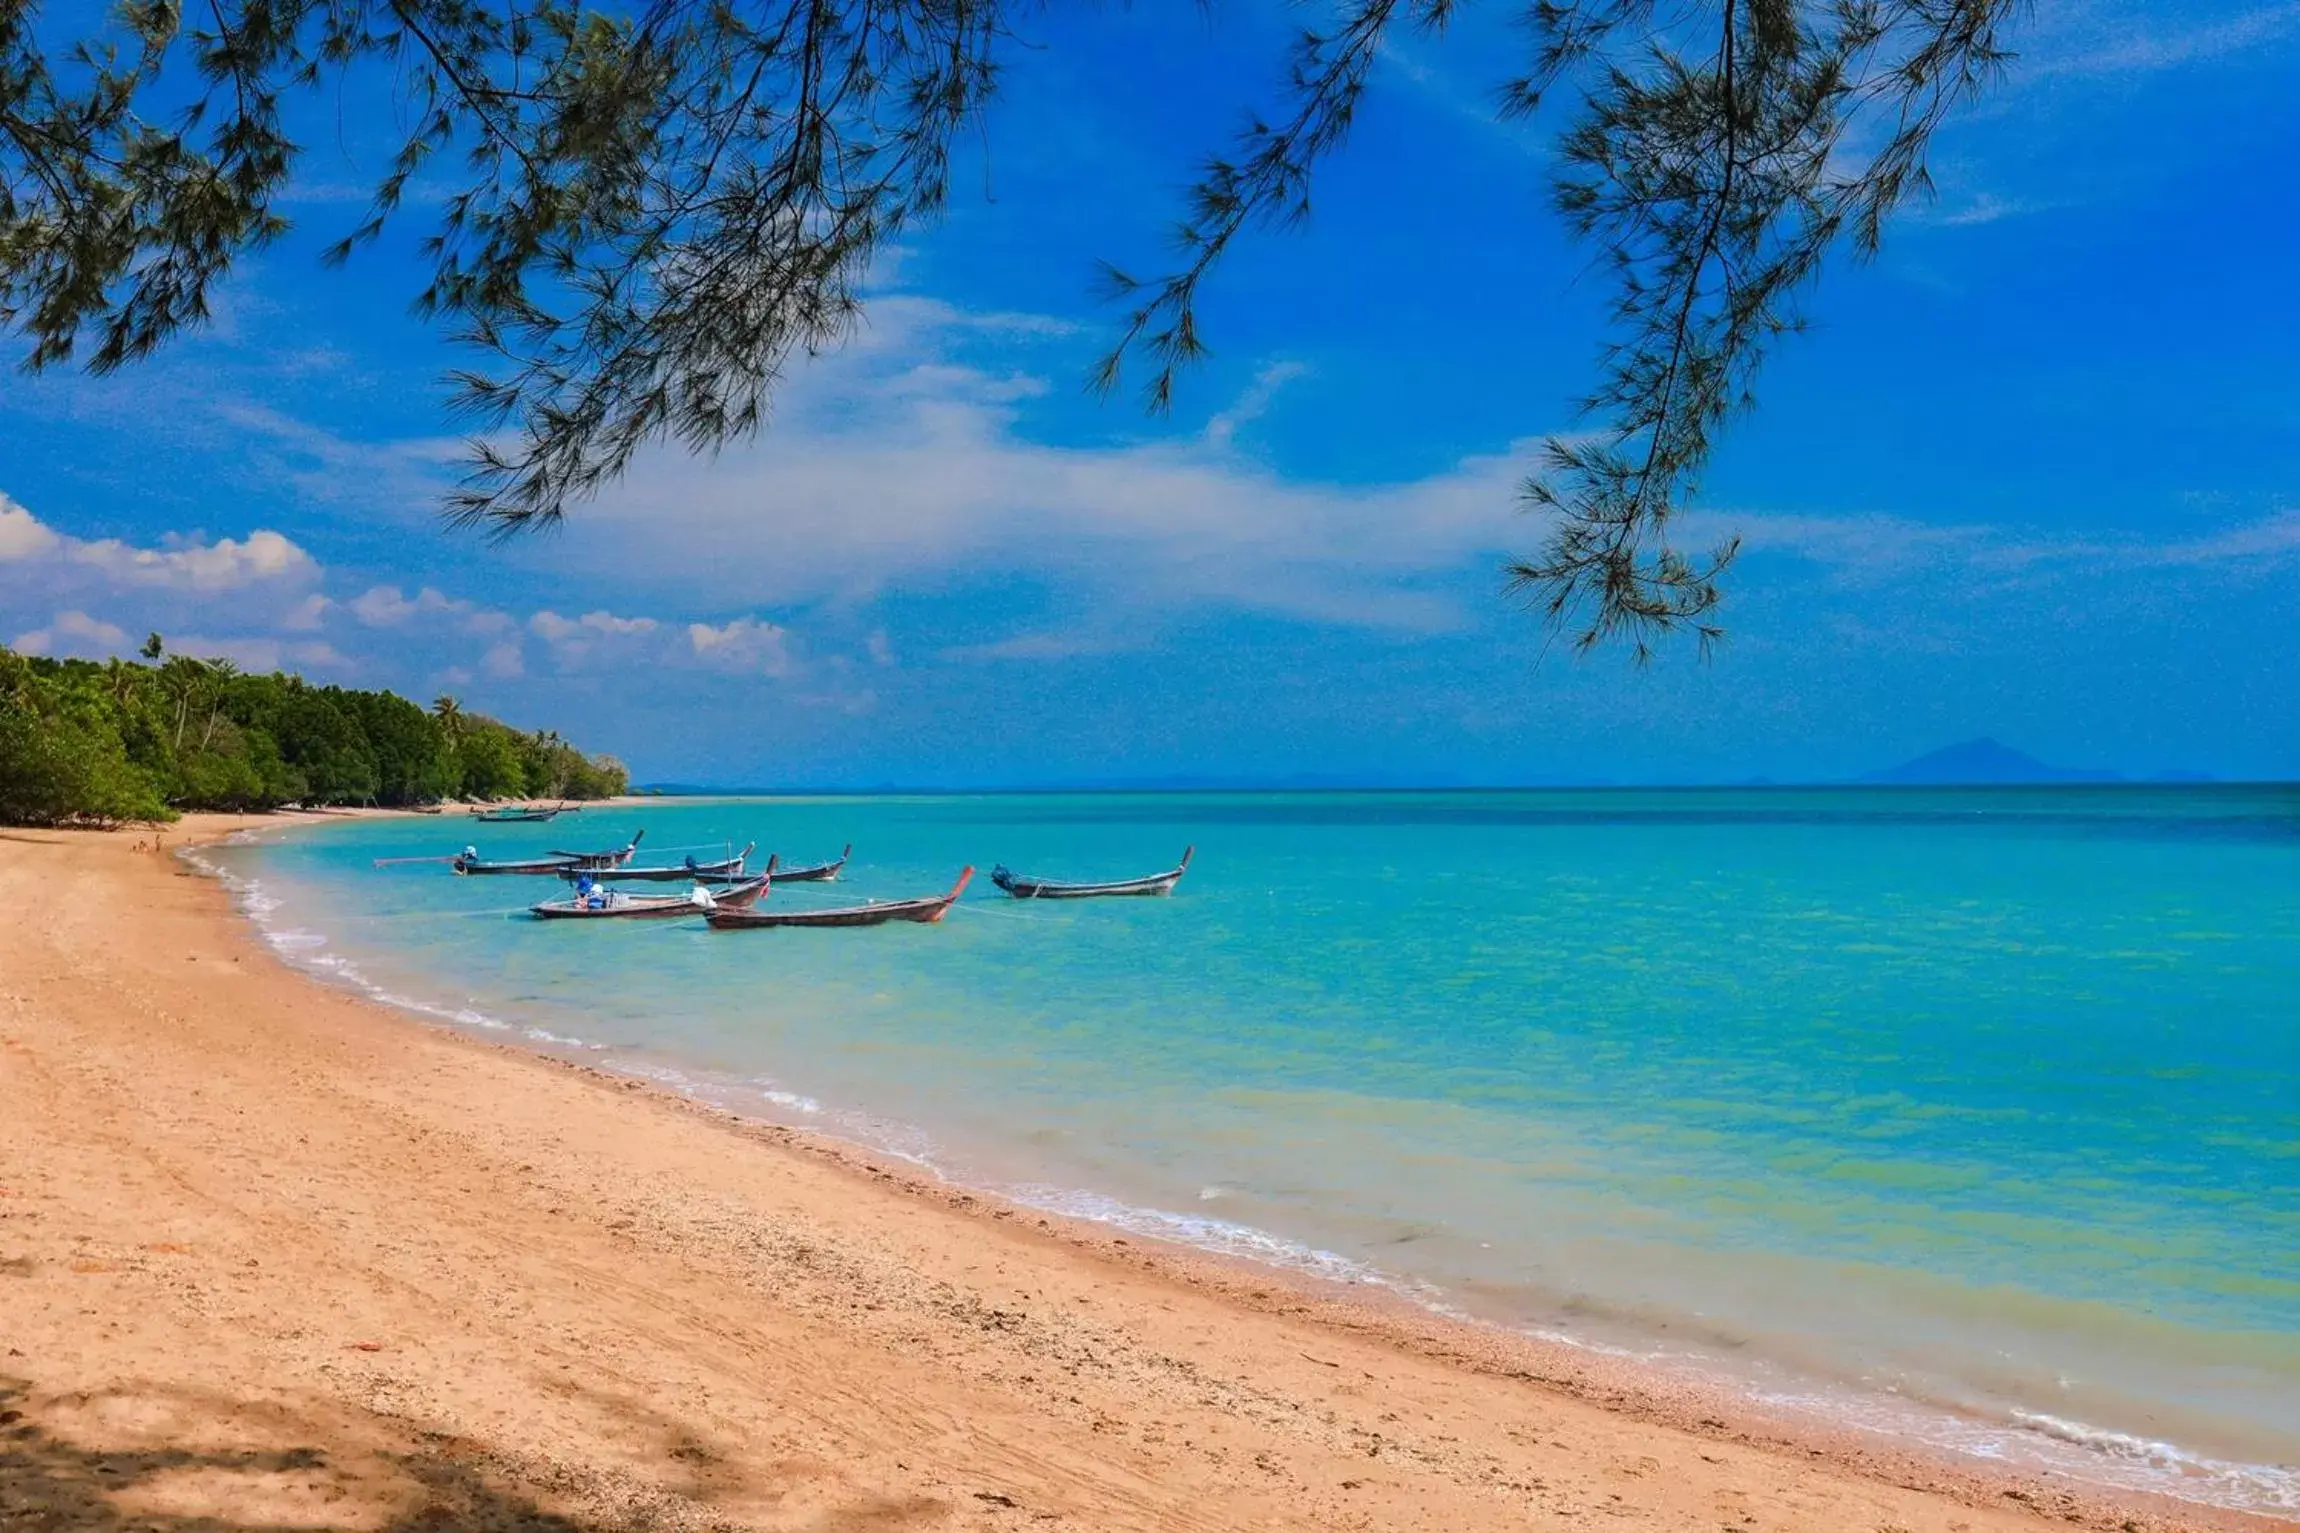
(1981, 763)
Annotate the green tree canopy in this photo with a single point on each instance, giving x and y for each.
(83, 742)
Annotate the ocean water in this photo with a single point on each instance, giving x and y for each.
(1972, 1116)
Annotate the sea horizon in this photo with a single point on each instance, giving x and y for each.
(1852, 1177)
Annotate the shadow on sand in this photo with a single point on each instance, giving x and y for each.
(355, 1470)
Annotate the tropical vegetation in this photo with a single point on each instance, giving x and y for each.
(101, 742)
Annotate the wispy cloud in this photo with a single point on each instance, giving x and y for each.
(2102, 41)
(1254, 403)
(902, 466)
(1045, 645)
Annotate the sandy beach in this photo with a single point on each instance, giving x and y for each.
(274, 1256)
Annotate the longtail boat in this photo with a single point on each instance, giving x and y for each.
(616, 903)
(1047, 889)
(925, 911)
(728, 870)
(820, 873)
(469, 861)
(610, 859)
(514, 816)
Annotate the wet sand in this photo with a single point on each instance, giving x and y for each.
(275, 1256)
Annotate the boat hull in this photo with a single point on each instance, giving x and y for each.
(535, 868)
(650, 907)
(554, 862)
(1122, 888)
(728, 871)
(925, 912)
(820, 873)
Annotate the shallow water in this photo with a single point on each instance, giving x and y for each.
(1971, 1115)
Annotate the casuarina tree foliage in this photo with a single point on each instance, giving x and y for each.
(642, 215)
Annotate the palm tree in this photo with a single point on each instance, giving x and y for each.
(121, 679)
(449, 712)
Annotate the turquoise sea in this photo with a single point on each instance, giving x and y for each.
(1967, 1115)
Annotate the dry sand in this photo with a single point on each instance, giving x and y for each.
(273, 1256)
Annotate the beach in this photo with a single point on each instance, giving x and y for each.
(275, 1255)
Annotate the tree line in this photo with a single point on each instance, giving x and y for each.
(102, 742)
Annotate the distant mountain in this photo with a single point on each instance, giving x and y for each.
(1982, 762)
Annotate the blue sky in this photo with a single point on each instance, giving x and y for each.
(2036, 474)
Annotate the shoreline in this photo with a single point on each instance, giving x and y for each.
(1468, 1380)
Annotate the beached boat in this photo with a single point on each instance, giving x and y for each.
(926, 911)
(727, 870)
(820, 873)
(1048, 889)
(621, 903)
(469, 861)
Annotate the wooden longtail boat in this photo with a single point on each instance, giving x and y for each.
(620, 904)
(613, 859)
(582, 862)
(820, 873)
(515, 816)
(728, 870)
(1047, 889)
(925, 911)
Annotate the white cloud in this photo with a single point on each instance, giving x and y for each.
(22, 535)
(72, 633)
(389, 606)
(553, 628)
(224, 565)
(881, 471)
(744, 645)
(572, 639)
(183, 563)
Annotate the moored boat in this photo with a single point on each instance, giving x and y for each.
(926, 911)
(727, 870)
(820, 873)
(608, 859)
(612, 903)
(469, 861)
(513, 816)
(1023, 888)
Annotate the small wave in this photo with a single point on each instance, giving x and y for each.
(2272, 1486)
(556, 1040)
(1221, 1237)
(792, 1101)
(2033, 1440)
